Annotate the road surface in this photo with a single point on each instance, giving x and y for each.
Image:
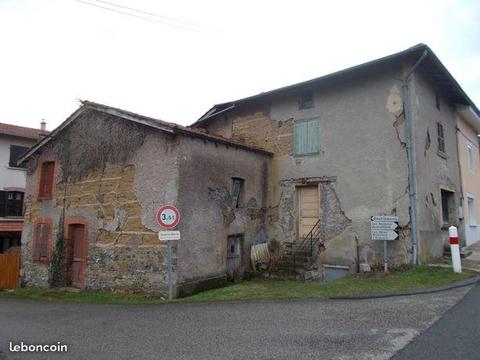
(455, 336)
(303, 329)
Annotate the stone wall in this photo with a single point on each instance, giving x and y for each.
(123, 250)
(361, 168)
(259, 130)
(116, 186)
(434, 171)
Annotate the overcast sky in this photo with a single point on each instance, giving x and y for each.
(56, 52)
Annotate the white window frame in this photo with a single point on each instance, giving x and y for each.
(470, 158)
(472, 215)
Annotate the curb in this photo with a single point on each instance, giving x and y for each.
(457, 284)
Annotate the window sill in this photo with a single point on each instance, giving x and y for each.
(306, 107)
(41, 262)
(308, 154)
(442, 154)
(16, 168)
(41, 198)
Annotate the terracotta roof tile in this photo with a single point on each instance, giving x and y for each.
(21, 131)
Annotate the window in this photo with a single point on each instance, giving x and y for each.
(237, 188)
(234, 246)
(441, 138)
(45, 190)
(306, 100)
(41, 241)
(11, 203)
(472, 220)
(307, 137)
(15, 153)
(447, 206)
(470, 160)
(437, 101)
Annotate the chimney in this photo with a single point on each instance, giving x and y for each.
(43, 125)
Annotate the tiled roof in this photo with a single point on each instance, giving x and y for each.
(161, 125)
(21, 131)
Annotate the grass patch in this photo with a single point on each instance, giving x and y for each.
(91, 297)
(415, 278)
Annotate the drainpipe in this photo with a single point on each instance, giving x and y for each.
(410, 158)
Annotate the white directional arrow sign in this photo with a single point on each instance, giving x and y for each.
(383, 227)
(384, 235)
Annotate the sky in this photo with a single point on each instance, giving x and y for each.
(173, 60)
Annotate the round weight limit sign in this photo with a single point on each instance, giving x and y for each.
(168, 216)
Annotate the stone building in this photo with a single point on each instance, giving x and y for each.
(376, 139)
(95, 184)
(314, 160)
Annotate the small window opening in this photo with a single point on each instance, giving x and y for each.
(447, 207)
(237, 189)
(11, 203)
(46, 180)
(16, 152)
(471, 162)
(41, 242)
(437, 101)
(306, 100)
(441, 138)
(234, 246)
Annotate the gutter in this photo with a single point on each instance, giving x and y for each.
(411, 157)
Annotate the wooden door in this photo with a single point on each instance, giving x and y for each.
(308, 209)
(234, 256)
(75, 255)
(9, 271)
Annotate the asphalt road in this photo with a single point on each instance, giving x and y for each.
(455, 336)
(307, 329)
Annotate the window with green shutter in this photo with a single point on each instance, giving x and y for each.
(307, 136)
(441, 138)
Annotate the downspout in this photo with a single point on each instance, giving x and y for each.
(462, 224)
(411, 158)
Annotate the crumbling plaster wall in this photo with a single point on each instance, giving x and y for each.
(206, 170)
(362, 164)
(433, 171)
(114, 174)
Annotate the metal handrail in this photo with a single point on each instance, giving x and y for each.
(312, 237)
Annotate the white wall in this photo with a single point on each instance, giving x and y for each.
(11, 177)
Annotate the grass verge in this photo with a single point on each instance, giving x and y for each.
(91, 297)
(415, 278)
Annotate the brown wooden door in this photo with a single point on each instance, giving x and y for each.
(9, 271)
(309, 209)
(75, 255)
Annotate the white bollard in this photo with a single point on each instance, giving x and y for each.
(455, 249)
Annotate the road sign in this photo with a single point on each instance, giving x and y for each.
(166, 235)
(168, 216)
(384, 218)
(384, 235)
(383, 227)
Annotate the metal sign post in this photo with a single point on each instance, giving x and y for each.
(169, 236)
(384, 228)
(385, 256)
(170, 270)
(168, 217)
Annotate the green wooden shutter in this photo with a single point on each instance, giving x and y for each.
(307, 137)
